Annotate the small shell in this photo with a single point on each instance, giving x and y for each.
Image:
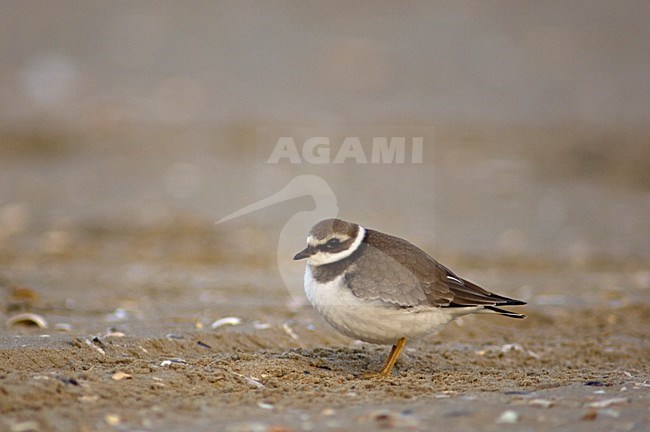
(542, 403)
(178, 361)
(508, 416)
(265, 405)
(288, 330)
(112, 419)
(173, 336)
(116, 334)
(226, 321)
(607, 402)
(250, 380)
(63, 327)
(511, 347)
(261, 326)
(95, 347)
(25, 426)
(29, 319)
(88, 398)
(118, 376)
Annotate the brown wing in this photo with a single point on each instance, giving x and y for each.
(406, 276)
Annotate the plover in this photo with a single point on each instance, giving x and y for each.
(384, 290)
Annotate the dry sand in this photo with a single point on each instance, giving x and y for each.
(129, 345)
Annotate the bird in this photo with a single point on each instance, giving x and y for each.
(382, 289)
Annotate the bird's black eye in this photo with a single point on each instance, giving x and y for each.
(332, 244)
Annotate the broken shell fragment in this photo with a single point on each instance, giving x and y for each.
(112, 419)
(542, 403)
(508, 416)
(118, 376)
(27, 319)
(226, 321)
(88, 398)
(116, 334)
(607, 402)
(63, 327)
(176, 361)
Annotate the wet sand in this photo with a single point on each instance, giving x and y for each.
(130, 346)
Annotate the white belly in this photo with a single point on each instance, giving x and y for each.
(370, 320)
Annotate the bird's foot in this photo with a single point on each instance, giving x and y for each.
(375, 375)
(390, 362)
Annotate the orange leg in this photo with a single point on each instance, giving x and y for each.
(392, 357)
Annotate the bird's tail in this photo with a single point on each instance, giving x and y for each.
(505, 312)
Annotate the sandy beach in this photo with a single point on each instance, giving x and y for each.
(131, 347)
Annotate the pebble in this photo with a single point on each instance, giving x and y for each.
(590, 415)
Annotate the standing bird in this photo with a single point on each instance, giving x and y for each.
(382, 289)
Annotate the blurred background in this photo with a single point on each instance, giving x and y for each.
(160, 117)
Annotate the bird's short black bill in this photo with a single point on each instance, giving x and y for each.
(305, 253)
